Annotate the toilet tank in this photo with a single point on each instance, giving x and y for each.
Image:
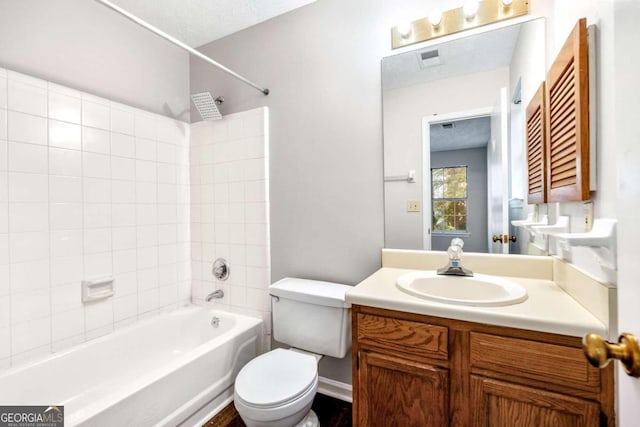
(311, 315)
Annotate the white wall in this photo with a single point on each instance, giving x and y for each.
(83, 45)
(89, 188)
(403, 112)
(230, 211)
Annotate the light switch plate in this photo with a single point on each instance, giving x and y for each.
(413, 205)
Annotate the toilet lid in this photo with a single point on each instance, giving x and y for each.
(276, 377)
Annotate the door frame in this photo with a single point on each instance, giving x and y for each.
(427, 121)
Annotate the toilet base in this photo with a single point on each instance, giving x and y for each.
(309, 420)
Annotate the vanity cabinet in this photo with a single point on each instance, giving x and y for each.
(417, 370)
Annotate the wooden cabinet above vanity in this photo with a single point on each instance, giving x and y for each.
(418, 370)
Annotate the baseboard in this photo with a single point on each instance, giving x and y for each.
(337, 389)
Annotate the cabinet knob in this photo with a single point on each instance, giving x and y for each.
(599, 352)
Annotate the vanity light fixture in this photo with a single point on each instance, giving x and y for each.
(405, 30)
(435, 17)
(439, 23)
(470, 9)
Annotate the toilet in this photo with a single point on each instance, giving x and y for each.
(277, 388)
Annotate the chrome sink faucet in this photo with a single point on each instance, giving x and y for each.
(454, 267)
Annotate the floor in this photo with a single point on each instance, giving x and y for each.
(331, 412)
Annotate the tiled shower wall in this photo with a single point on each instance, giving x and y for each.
(88, 188)
(230, 211)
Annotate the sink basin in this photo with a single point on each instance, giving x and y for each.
(480, 290)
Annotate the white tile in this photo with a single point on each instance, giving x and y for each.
(95, 115)
(166, 173)
(236, 171)
(256, 213)
(221, 193)
(65, 162)
(27, 276)
(99, 314)
(171, 131)
(31, 305)
(125, 284)
(258, 299)
(146, 192)
(26, 128)
(3, 124)
(147, 279)
(66, 297)
(96, 165)
(63, 90)
(30, 335)
(146, 235)
(145, 126)
(65, 215)
(256, 256)
(238, 255)
(237, 233)
(236, 192)
(26, 79)
(66, 243)
(97, 240)
(255, 147)
(146, 214)
(28, 217)
(125, 307)
(124, 238)
(147, 257)
(95, 140)
(5, 349)
(123, 168)
(5, 312)
(257, 277)
(123, 215)
(65, 135)
(254, 169)
(167, 153)
(123, 145)
(123, 192)
(28, 158)
(255, 191)
(146, 149)
(237, 213)
(99, 332)
(238, 296)
(146, 171)
(67, 270)
(182, 175)
(3, 92)
(67, 324)
(64, 107)
(27, 98)
(167, 193)
(122, 121)
(167, 234)
(65, 189)
(125, 261)
(168, 295)
(67, 343)
(28, 246)
(97, 215)
(97, 265)
(148, 301)
(96, 190)
(4, 259)
(256, 234)
(167, 213)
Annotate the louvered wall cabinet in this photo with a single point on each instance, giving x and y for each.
(558, 121)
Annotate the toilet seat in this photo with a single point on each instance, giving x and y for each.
(276, 379)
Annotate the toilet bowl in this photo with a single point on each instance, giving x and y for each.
(277, 389)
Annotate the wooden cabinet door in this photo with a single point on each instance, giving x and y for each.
(500, 404)
(399, 392)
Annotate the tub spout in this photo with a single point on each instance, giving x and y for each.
(217, 294)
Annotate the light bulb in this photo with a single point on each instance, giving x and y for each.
(435, 17)
(470, 8)
(507, 3)
(404, 28)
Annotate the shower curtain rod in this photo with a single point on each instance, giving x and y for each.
(178, 43)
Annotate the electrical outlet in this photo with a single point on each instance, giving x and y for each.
(413, 205)
(588, 216)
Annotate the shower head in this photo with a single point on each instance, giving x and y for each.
(207, 106)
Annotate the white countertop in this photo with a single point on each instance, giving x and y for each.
(547, 309)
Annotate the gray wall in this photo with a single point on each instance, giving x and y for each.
(476, 161)
(82, 44)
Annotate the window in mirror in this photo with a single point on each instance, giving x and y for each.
(449, 199)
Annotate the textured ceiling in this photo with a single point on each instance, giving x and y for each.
(198, 22)
(468, 133)
(481, 52)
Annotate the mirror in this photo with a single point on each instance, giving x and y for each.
(454, 139)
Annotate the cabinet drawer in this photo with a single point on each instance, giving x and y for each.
(403, 335)
(551, 363)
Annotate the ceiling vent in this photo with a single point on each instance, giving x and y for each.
(448, 126)
(429, 58)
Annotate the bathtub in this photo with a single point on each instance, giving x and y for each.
(173, 369)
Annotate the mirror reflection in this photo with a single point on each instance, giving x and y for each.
(453, 123)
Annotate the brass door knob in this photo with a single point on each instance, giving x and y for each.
(599, 352)
(503, 238)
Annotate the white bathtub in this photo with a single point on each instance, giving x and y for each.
(174, 369)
